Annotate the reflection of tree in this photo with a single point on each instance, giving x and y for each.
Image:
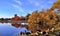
(17, 25)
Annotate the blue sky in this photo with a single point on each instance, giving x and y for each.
(22, 7)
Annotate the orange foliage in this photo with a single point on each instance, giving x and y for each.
(15, 18)
(41, 20)
(22, 18)
(18, 18)
(17, 25)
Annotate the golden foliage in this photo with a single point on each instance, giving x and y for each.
(32, 21)
(41, 20)
(56, 5)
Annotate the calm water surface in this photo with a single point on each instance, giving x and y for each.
(6, 29)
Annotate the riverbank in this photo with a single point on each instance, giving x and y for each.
(13, 21)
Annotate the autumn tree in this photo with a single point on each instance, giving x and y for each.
(56, 5)
(44, 20)
(32, 21)
(41, 20)
(27, 16)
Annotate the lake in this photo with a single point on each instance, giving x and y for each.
(6, 29)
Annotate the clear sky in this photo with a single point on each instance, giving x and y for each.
(22, 7)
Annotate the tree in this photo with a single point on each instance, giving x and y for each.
(56, 5)
(27, 16)
(44, 20)
(2, 19)
(41, 20)
(32, 21)
(16, 18)
(52, 16)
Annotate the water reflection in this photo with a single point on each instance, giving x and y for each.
(6, 29)
(12, 29)
(17, 25)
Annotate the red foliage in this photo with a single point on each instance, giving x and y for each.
(15, 18)
(22, 18)
(17, 25)
(18, 18)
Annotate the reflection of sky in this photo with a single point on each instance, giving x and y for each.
(22, 7)
(8, 30)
